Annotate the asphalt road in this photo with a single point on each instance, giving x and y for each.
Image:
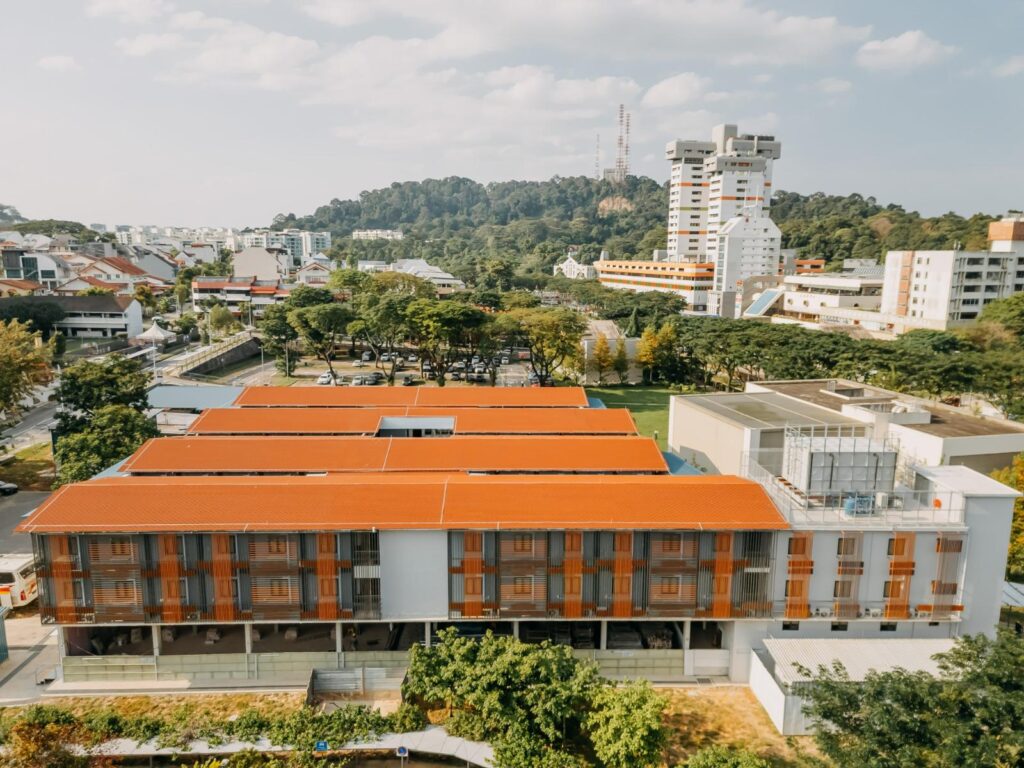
(12, 510)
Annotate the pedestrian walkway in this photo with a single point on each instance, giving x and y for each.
(33, 651)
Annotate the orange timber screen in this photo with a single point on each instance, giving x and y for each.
(901, 568)
(799, 570)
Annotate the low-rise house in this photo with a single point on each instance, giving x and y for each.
(19, 287)
(243, 296)
(313, 273)
(444, 283)
(574, 270)
(101, 316)
(262, 263)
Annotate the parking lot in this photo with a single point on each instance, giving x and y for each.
(12, 510)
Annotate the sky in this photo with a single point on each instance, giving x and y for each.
(227, 112)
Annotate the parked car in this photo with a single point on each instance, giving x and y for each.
(358, 381)
(358, 364)
(8, 489)
(367, 357)
(475, 360)
(411, 358)
(376, 376)
(455, 376)
(408, 381)
(385, 357)
(504, 360)
(18, 583)
(325, 378)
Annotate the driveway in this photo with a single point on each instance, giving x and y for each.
(12, 510)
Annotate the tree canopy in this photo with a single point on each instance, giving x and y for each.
(113, 433)
(24, 365)
(87, 386)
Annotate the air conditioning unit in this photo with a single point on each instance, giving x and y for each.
(491, 612)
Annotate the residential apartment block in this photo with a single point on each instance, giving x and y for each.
(245, 296)
(332, 528)
(719, 195)
(377, 234)
(938, 290)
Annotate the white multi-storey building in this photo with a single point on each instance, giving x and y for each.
(938, 290)
(377, 234)
(719, 194)
(574, 270)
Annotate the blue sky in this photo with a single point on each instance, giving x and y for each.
(229, 111)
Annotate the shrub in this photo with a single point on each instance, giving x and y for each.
(408, 718)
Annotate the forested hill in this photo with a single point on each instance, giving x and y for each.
(462, 224)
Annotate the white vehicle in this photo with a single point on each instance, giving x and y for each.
(325, 378)
(18, 584)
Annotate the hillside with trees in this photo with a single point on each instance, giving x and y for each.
(9, 215)
(524, 227)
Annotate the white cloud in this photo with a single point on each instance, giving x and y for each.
(833, 85)
(145, 44)
(1012, 66)
(129, 11)
(676, 90)
(911, 50)
(58, 63)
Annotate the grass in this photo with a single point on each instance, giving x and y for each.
(731, 716)
(649, 406)
(31, 469)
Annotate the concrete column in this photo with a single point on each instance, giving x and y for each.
(604, 636)
(339, 637)
(248, 637)
(426, 633)
(156, 630)
(686, 635)
(515, 628)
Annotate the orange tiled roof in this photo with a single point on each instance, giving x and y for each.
(22, 285)
(443, 397)
(365, 421)
(367, 454)
(400, 501)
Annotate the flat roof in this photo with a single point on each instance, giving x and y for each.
(443, 397)
(405, 501)
(961, 479)
(195, 398)
(946, 420)
(298, 455)
(765, 410)
(366, 421)
(858, 656)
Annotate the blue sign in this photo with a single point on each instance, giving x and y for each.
(322, 746)
(402, 751)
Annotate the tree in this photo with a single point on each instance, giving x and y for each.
(444, 332)
(87, 386)
(113, 433)
(182, 294)
(96, 290)
(647, 353)
(186, 323)
(24, 365)
(40, 313)
(1008, 312)
(278, 334)
(602, 357)
(625, 725)
(347, 281)
(308, 296)
(632, 329)
(725, 757)
(1001, 378)
(144, 295)
(381, 322)
(1013, 476)
(553, 335)
(620, 363)
(322, 327)
(969, 715)
(221, 320)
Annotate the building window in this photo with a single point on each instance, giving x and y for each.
(669, 586)
(798, 546)
(790, 626)
(842, 588)
(944, 587)
(522, 542)
(840, 626)
(846, 546)
(124, 591)
(892, 589)
(897, 547)
(949, 545)
(474, 585)
(794, 588)
(277, 545)
(887, 626)
(522, 586)
(280, 588)
(671, 543)
(121, 547)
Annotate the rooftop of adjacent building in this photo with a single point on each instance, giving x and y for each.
(406, 501)
(303, 455)
(766, 410)
(946, 420)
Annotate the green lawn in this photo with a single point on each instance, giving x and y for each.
(31, 469)
(649, 406)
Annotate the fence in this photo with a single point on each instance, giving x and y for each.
(323, 682)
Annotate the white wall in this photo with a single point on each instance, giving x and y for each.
(414, 575)
(989, 520)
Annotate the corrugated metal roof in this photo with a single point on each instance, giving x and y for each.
(858, 656)
(197, 398)
(443, 397)
(406, 501)
(209, 454)
(1013, 594)
(365, 421)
